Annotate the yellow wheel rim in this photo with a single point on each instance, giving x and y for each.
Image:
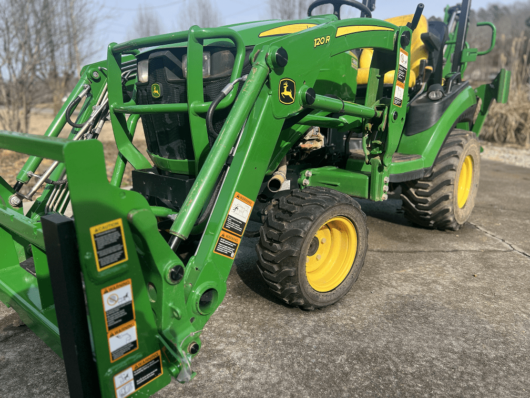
(465, 181)
(331, 254)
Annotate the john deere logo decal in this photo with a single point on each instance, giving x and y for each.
(156, 91)
(287, 91)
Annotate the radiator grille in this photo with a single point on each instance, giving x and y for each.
(168, 134)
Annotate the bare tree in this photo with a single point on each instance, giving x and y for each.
(21, 40)
(44, 43)
(288, 9)
(68, 27)
(199, 12)
(146, 23)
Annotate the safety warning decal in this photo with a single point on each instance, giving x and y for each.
(401, 78)
(109, 244)
(118, 304)
(398, 94)
(403, 65)
(238, 215)
(227, 245)
(135, 377)
(122, 341)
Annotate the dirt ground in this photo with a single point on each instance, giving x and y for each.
(12, 162)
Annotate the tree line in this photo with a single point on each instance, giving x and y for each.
(44, 43)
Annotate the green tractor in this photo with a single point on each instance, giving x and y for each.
(282, 123)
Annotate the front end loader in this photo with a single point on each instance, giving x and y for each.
(282, 123)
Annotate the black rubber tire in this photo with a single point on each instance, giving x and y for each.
(291, 223)
(432, 201)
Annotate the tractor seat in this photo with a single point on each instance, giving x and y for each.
(418, 49)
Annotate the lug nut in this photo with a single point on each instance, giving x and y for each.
(308, 174)
(323, 240)
(305, 182)
(385, 197)
(385, 188)
(319, 257)
(95, 75)
(386, 180)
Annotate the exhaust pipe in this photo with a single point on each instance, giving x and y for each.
(279, 176)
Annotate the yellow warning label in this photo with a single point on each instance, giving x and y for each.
(237, 218)
(108, 241)
(227, 245)
(118, 304)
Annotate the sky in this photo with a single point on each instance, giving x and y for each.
(117, 26)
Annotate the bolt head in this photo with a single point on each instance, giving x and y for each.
(385, 188)
(305, 182)
(386, 180)
(176, 274)
(319, 257)
(323, 240)
(193, 348)
(281, 57)
(15, 201)
(95, 75)
(310, 96)
(405, 39)
(308, 174)
(385, 197)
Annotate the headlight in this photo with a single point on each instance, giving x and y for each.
(143, 71)
(205, 64)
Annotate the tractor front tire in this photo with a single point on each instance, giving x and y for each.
(312, 247)
(446, 198)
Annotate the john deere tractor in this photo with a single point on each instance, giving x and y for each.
(283, 123)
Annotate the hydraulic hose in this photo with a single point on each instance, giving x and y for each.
(224, 92)
(72, 106)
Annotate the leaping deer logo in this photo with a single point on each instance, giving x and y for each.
(155, 90)
(287, 91)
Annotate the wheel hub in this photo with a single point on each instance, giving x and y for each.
(331, 254)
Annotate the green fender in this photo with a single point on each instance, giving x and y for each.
(429, 142)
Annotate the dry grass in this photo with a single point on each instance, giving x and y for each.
(12, 162)
(509, 123)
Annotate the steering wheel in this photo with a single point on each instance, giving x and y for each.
(336, 6)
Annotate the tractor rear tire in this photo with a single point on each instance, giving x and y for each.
(312, 246)
(446, 198)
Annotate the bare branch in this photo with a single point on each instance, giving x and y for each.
(146, 23)
(203, 13)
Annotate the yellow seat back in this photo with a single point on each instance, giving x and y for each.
(417, 48)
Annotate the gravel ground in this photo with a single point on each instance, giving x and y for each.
(433, 314)
(515, 156)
